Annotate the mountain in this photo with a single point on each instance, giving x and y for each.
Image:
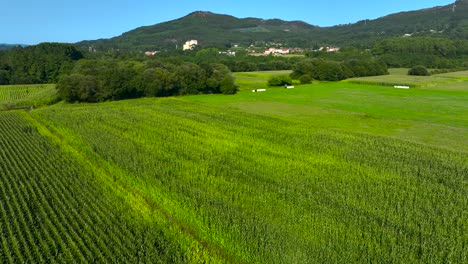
(224, 30)
(209, 29)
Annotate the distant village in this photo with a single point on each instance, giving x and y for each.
(191, 44)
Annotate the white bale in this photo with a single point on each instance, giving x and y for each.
(401, 87)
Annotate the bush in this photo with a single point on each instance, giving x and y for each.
(418, 70)
(77, 87)
(228, 86)
(281, 80)
(305, 79)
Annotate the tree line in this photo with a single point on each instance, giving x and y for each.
(104, 80)
(43, 63)
(439, 53)
(326, 70)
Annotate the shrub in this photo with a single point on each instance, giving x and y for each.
(305, 79)
(281, 80)
(418, 70)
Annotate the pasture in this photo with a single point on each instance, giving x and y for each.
(332, 172)
(437, 117)
(453, 80)
(256, 80)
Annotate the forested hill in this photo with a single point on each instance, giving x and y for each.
(450, 21)
(209, 29)
(223, 30)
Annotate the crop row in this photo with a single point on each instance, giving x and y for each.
(53, 210)
(27, 94)
(273, 191)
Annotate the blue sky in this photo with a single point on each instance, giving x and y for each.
(35, 21)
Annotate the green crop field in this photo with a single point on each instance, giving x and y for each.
(54, 208)
(27, 95)
(323, 173)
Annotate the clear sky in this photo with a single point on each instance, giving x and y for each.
(35, 21)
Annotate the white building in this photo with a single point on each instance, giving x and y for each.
(190, 44)
(276, 51)
(151, 53)
(229, 53)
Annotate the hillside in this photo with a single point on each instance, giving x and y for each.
(442, 21)
(212, 29)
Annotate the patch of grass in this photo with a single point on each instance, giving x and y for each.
(256, 80)
(363, 108)
(460, 75)
(399, 76)
(398, 71)
(391, 80)
(453, 86)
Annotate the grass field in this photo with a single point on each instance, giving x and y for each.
(434, 117)
(322, 173)
(400, 77)
(256, 80)
(463, 75)
(27, 95)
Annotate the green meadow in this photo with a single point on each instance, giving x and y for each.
(415, 115)
(256, 80)
(331, 172)
(453, 81)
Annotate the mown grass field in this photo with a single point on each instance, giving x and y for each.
(256, 80)
(453, 81)
(322, 173)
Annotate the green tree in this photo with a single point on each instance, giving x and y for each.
(155, 82)
(227, 85)
(280, 80)
(4, 77)
(207, 55)
(218, 74)
(117, 83)
(419, 70)
(77, 87)
(43, 63)
(189, 79)
(305, 79)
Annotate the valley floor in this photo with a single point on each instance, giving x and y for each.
(322, 173)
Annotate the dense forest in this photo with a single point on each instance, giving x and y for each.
(431, 52)
(326, 70)
(104, 80)
(43, 63)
